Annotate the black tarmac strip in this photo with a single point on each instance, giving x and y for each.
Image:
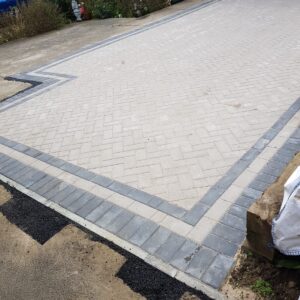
(42, 223)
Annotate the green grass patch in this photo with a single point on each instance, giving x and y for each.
(262, 288)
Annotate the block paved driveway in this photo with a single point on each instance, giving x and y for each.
(182, 123)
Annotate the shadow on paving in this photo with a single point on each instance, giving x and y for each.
(42, 223)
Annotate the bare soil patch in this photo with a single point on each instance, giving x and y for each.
(10, 88)
(285, 283)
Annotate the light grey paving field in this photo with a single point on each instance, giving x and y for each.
(175, 120)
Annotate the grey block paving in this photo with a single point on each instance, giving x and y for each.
(14, 171)
(99, 211)
(234, 221)
(6, 160)
(200, 262)
(47, 186)
(101, 180)
(70, 168)
(229, 233)
(213, 194)
(261, 144)
(77, 194)
(8, 165)
(120, 188)
(268, 178)
(272, 171)
(37, 185)
(79, 203)
(192, 217)
(172, 209)
(156, 240)
(259, 185)
(238, 211)
(32, 152)
(5, 167)
(252, 193)
(131, 228)
(220, 245)
(85, 174)
(7, 142)
(217, 271)
(250, 155)
(109, 216)
(3, 158)
(167, 250)
(5, 164)
(139, 196)
(276, 164)
(56, 190)
(30, 177)
(184, 255)
(143, 233)
(55, 162)
(155, 202)
(244, 201)
(60, 196)
(283, 157)
(118, 223)
(44, 157)
(20, 147)
(86, 209)
(23, 172)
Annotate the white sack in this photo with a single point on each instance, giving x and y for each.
(286, 225)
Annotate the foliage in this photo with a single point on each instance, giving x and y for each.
(290, 263)
(102, 9)
(65, 7)
(262, 287)
(40, 16)
(28, 19)
(123, 8)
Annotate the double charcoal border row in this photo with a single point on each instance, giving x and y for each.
(183, 254)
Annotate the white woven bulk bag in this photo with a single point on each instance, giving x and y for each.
(286, 225)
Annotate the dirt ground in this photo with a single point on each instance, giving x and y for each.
(68, 266)
(10, 88)
(44, 256)
(285, 283)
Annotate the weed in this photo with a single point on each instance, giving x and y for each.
(262, 287)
